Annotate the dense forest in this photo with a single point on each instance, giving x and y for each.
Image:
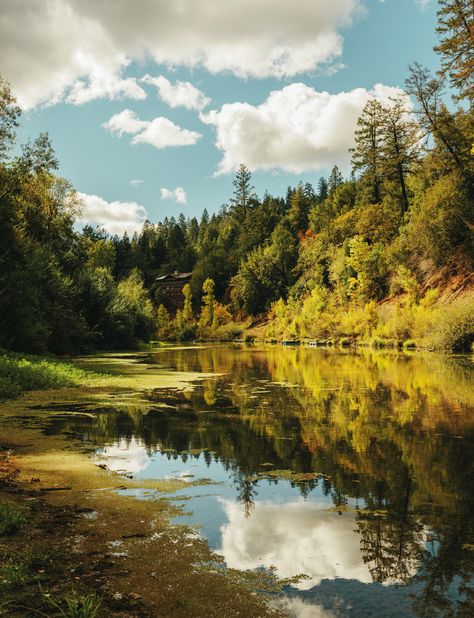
(365, 258)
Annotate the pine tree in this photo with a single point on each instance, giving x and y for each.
(204, 218)
(182, 222)
(289, 194)
(401, 145)
(299, 209)
(456, 31)
(433, 115)
(309, 193)
(243, 193)
(367, 153)
(335, 180)
(322, 189)
(193, 231)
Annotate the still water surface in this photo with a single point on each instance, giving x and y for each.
(353, 469)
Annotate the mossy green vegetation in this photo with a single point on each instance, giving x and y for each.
(19, 373)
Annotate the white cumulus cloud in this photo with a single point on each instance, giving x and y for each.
(115, 217)
(135, 182)
(160, 132)
(111, 86)
(180, 94)
(77, 50)
(178, 195)
(295, 129)
(125, 121)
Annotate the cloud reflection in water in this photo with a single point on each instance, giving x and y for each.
(296, 537)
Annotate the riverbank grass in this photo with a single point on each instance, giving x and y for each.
(87, 606)
(427, 323)
(19, 373)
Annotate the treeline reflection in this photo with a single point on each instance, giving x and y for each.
(393, 432)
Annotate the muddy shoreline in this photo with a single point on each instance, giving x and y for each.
(44, 562)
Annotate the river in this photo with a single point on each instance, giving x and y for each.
(353, 470)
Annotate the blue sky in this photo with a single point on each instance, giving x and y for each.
(75, 66)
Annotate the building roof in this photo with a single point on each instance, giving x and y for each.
(176, 276)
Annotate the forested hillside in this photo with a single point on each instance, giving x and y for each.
(370, 257)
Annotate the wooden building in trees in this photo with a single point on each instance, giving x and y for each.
(169, 289)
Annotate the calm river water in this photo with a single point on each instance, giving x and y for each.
(354, 469)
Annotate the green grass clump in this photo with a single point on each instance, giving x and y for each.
(25, 373)
(14, 576)
(87, 606)
(11, 519)
(20, 571)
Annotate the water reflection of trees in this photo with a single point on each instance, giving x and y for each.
(395, 432)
